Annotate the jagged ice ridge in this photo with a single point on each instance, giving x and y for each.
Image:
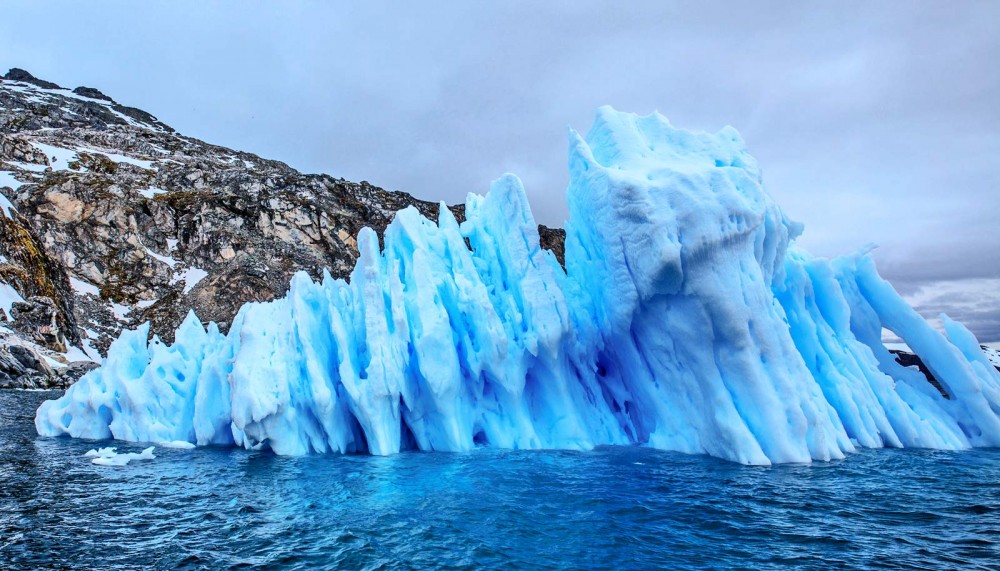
(685, 320)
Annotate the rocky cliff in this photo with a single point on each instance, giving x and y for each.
(112, 218)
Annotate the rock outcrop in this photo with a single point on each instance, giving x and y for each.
(26, 365)
(38, 320)
(117, 219)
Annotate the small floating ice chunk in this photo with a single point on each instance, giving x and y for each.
(108, 456)
(101, 453)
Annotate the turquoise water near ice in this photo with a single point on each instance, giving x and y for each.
(611, 508)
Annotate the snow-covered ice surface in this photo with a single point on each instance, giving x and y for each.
(685, 320)
(180, 444)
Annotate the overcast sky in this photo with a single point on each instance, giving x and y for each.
(874, 122)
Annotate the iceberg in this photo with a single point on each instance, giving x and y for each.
(685, 319)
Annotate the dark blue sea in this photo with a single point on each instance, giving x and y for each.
(612, 508)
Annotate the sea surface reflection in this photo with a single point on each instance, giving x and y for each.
(613, 508)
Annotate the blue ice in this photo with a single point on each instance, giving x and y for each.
(685, 320)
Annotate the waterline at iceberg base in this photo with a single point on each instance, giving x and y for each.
(685, 320)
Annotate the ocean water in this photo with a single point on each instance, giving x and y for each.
(611, 508)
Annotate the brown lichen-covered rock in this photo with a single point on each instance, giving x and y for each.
(26, 266)
(134, 222)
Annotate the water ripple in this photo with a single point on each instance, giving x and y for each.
(614, 508)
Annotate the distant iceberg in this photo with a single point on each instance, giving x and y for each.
(684, 321)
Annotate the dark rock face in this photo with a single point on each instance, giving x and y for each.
(121, 220)
(910, 360)
(23, 368)
(553, 239)
(17, 74)
(38, 319)
(92, 93)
